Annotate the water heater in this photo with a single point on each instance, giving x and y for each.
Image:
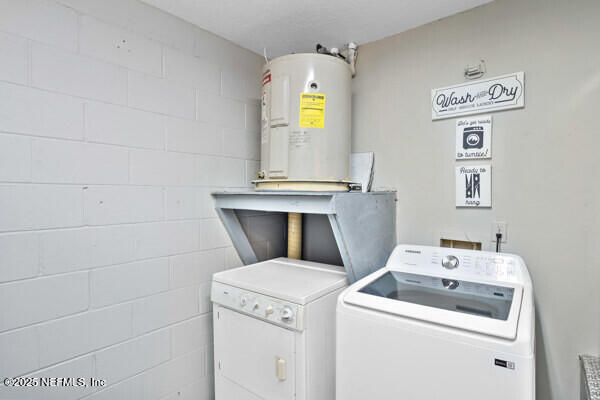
(305, 123)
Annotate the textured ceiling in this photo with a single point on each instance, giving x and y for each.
(286, 26)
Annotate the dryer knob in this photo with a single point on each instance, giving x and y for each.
(450, 262)
(286, 314)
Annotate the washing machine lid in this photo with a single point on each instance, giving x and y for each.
(480, 307)
(296, 281)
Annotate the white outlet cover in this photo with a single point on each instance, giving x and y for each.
(499, 226)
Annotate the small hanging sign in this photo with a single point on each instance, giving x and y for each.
(485, 95)
(474, 186)
(474, 138)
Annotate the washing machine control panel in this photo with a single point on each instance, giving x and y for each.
(460, 263)
(279, 312)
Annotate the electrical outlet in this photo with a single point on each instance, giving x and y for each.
(499, 227)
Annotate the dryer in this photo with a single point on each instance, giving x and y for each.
(274, 330)
(438, 323)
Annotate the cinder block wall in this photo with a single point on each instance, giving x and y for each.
(116, 122)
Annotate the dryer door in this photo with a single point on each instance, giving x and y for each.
(256, 355)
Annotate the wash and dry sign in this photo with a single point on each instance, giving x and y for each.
(485, 95)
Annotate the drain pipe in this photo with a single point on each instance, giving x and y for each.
(352, 52)
(294, 235)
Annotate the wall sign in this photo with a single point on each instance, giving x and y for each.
(474, 186)
(474, 138)
(485, 95)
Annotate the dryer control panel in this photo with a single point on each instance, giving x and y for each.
(458, 263)
(276, 311)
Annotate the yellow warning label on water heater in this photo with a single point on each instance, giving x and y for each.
(312, 110)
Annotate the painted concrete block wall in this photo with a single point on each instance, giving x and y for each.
(266, 232)
(116, 122)
(545, 163)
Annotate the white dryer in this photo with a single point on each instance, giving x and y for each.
(274, 330)
(438, 323)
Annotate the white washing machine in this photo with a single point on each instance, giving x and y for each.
(274, 330)
(438, 323)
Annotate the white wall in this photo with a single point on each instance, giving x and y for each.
(116, 122)
(545, 157)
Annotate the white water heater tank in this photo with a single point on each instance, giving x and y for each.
(305, 123)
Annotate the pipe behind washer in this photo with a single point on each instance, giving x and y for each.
(294, 235)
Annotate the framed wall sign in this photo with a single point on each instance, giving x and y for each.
(484, 95)
(474, 185)
(474, 138)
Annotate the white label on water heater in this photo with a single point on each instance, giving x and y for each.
(264, 113)
(280, 101)
(299, 138)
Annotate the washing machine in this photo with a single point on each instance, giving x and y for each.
(274, 330)
(438, 323)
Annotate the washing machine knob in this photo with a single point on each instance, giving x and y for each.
(243, 301)
(269, 310)
(450, 262)
(286, 314)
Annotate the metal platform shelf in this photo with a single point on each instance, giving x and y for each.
(363, 224)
